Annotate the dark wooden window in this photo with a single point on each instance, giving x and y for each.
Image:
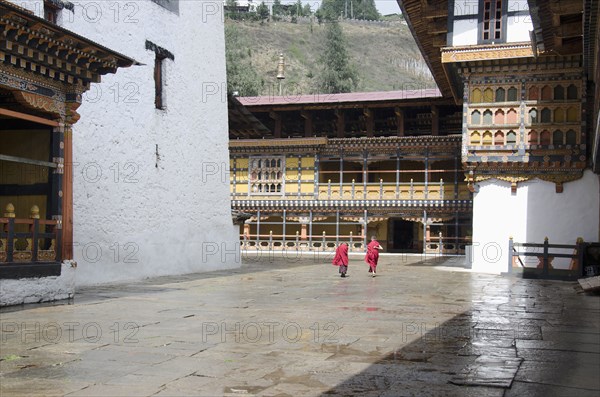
(159, 64)
(50, 12)
(492, 23)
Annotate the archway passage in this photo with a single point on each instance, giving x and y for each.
(404, 236)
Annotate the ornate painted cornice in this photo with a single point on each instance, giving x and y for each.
(486, 52)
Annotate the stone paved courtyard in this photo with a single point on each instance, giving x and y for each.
(286, 327)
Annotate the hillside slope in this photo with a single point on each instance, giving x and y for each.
(385, 55)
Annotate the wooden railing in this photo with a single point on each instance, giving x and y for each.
(446, 245)
(40, 242)
(390, 191)
(274, 242)
(545, 254)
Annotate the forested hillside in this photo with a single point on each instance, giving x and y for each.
(383, 56)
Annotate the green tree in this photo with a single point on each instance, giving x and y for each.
(337, 73)
(263, 11)
(298, 10)
(241, 74)
(277, 8)
(306, 10)
(359, 9)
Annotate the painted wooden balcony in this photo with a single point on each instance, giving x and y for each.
(392, 191)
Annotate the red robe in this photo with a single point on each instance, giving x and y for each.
(341, 255)
(372, 254)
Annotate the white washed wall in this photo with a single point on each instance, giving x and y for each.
(140, 211)
(534, 212)
(519, 27)
(465, 32)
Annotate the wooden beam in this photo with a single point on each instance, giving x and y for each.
(24, 160)
(439, 40)
(562, 7)
(28, 117)
(570, 29)
(437, 26)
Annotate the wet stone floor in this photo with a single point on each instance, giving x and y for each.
(285, 327)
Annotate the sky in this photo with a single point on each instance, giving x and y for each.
(384, 7)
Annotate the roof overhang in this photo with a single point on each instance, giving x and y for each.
(40, 47)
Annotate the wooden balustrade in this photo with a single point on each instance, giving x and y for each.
(391, 191)
(278, 242)
(37, 241)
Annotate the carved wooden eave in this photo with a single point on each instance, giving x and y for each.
(517, 174)
(486, 52)
(45, 66)
(300, 145)
(391, 143)
(557, 25)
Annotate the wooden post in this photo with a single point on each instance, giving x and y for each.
(545, 258)
(365, 229)
(308, 123)
(369, 121)
(284, 227)
(426, 174)
(277, 118)
(337, 228)
(316, 177)
(365, 166)
(397, 174)
(341, 174)
(34, 214)
(435, 120)
(258, 229)
(67, 195)
(510, 254)
(340, 123)
(399, 121)
(310, 222)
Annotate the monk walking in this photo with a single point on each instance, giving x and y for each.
(372, 256)
(341, 258)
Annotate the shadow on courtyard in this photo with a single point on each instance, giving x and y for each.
(473, 354)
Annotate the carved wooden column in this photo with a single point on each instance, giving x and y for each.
(67, 185)
(399, 121)
(340, 123)
(435, 120)
(308, 123)
(277, 118)
(370, 122)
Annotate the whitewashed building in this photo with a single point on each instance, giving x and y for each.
(148, 161)
(527, 76)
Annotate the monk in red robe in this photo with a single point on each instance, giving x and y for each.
(372, 256)
(341, 258)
